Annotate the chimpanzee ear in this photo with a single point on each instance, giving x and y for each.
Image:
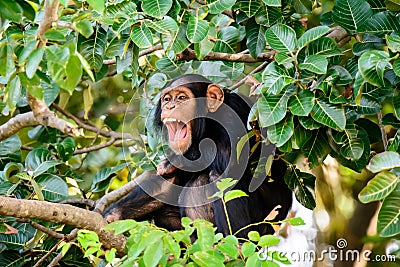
(215, 97)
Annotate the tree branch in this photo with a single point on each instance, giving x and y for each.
(60, 213)
(190, 54)
(91, 128)
(141, 54)
(42, 228)
(17, 123)
(243, 81)
(50, 15)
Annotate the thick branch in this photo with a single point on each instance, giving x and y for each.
(190, 54)
(115, 195)
(17, 123)
(49, 16)
(60, 213)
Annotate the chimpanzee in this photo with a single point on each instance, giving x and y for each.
(202, 125)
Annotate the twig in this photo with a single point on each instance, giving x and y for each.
(141, 54)
(42, 259)
(190, 54)
(42, 228)
(97, 147)
(91, 128)
(83, 201)
(55, 260)
(383, 132)
(242, 81)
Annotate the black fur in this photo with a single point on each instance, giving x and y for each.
(242, 211)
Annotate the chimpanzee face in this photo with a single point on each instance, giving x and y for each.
(178, 111)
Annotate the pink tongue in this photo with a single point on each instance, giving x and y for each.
(176, 131)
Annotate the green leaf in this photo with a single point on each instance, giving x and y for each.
(120, 227)
(207, 258)
(283, 58)
(172, 246)
(17, 241)
(301, 104)
(225, 184)
(302, 184)
(203, 48)
(40, 160)
(93, 48)
(381, 23)
(205, 234)
(227, 39)
(242, 142)
(372, 65)
(281, 38)
(276, 78)
(316, 148)
(268, 241)
(272, 2)
(396, 102)
(153, 254)
(196, 29)
(315, 63)
(7, 65)
(297, 221)
(54, 35)
(10, 10)
(217, 6)
(142, 36)
(255, 34)
(378, 187)
(84, 27)
(393, 42)
(10, 150)
(156, 8)
(312, 35)
(281, 132)
(53, 187)
(329, 115)
(384, 161)
(272, 108)
(13, 92)
(389, 214)
(97, 5)
(229, 249)
(230, 195)
(165, 26)
(180, 43)
(351, 14)
(103, 177)
(33, 61)
(268, 16)
(248, 249)
(249, 7)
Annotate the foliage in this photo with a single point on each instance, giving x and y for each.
(149, 245)
(324, 93)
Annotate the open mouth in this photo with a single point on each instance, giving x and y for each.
(177, 130)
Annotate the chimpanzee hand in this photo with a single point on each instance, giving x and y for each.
(165, 168)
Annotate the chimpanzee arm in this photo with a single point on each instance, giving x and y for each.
(142, 200)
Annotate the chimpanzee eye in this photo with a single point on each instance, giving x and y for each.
(182, 97)
(167, 98)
